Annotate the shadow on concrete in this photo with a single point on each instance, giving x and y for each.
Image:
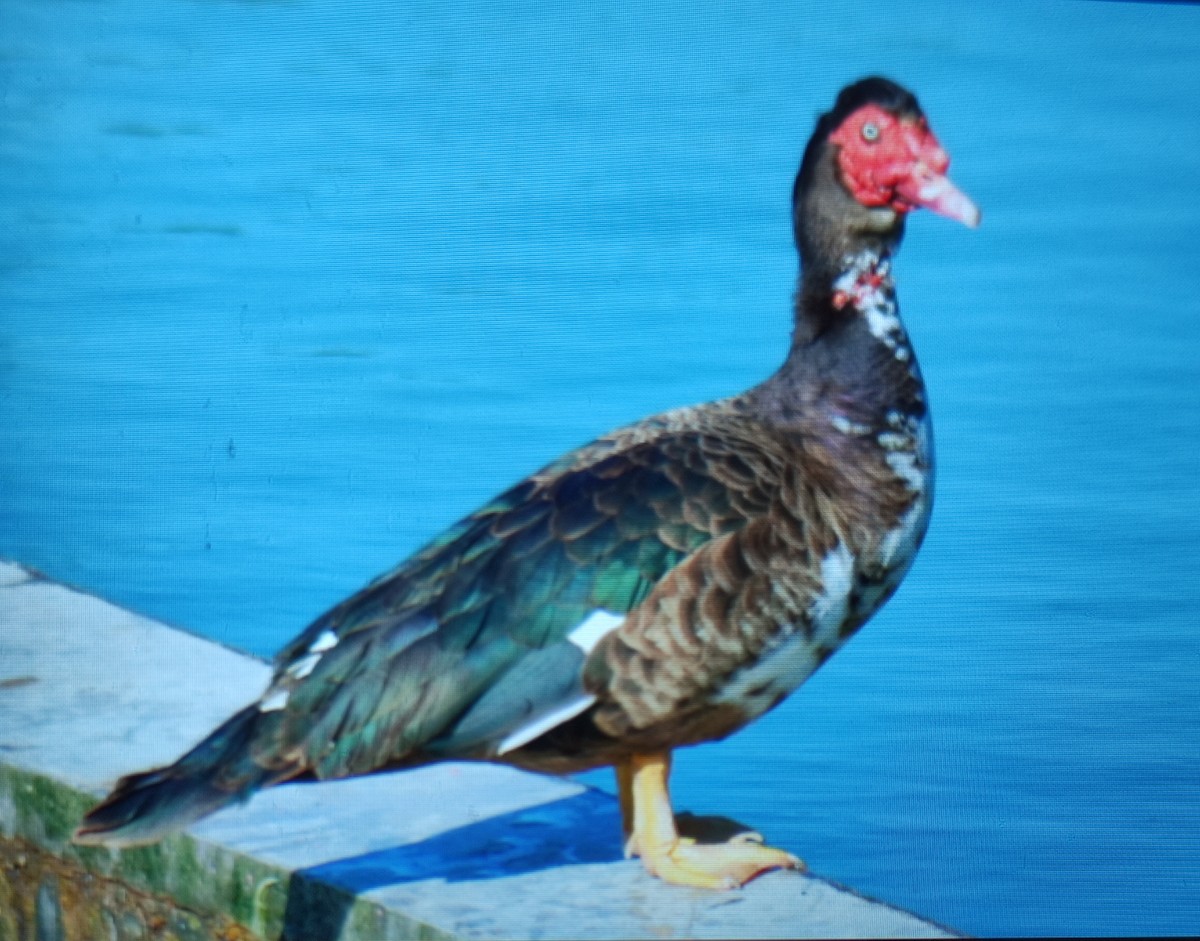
(585, 828)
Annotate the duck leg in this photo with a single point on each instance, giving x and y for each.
(624, 771)
(651, 833)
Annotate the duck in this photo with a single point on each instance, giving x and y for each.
(660, 587)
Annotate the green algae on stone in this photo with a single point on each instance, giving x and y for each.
(144, 867)
(43, 810)
(250, 897)
(47, 896)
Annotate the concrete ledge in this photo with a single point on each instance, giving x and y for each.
(89, 691)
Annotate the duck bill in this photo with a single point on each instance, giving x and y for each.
(934, 191)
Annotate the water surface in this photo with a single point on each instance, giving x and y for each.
(289, 287)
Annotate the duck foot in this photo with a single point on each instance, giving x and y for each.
(714, 865)
(682, 860)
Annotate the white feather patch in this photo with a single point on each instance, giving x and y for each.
(304, 666)
(899, 546)
(593, 627)
(275, 700)
(867, 281)
(848, 427)
(585, 636)
(907, 469)
(544, 723)
(829, 609)
(783, 667)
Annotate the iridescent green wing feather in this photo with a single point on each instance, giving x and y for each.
(398, 664)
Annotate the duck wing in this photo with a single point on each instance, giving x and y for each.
(478, 641)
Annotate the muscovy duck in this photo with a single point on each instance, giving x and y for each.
(660, 587)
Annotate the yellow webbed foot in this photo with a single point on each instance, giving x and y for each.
(715, 865)
(652, 835)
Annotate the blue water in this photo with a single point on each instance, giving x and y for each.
(288, 287)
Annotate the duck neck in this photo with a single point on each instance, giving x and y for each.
(851, 367)
(832, 295)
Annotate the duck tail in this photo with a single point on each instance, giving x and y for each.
(221, 770)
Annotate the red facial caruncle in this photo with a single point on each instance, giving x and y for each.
(889, 161)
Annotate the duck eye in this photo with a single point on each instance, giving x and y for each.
(870, 132)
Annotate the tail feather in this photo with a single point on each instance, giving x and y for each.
(219, 771)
